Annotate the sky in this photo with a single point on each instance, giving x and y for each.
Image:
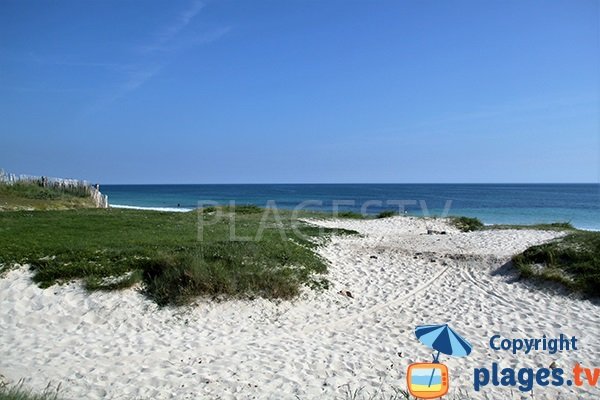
(301, 91)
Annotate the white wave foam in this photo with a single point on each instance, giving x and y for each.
(167, 209)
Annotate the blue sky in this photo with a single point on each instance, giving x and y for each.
(301, 91)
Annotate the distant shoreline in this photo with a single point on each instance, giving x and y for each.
(520, 204)
(168, 209)
(187, 209)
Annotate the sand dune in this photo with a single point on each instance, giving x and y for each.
(120, 345)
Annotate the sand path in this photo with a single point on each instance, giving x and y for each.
(121, 346)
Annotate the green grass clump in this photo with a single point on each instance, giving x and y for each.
(242, 209)
(554, 226)
(31, 195)
(271, 254)
(387, 214)
(466, 224)
(177, 279)
(573, 261)
(19, 393)
(350, 392)
(350, 214)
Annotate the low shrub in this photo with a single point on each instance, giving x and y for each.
(467, 224)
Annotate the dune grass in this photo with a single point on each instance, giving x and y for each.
(572, 261)
(350, 215)
(553, 226)
(243, 252)
(469, 224)
(33, 196)
(13, 394)
(350, 392)
(387, 214)
(18, 392)
(466, 224)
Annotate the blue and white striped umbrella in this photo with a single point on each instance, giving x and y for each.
(443, 339)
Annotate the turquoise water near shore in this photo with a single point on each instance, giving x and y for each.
(492, 203)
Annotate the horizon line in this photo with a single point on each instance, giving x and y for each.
(360, 183)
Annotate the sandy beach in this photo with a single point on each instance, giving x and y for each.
(120, 345)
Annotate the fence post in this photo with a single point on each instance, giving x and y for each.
(100, 200)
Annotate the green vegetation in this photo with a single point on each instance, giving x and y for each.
(466, 224)
(387, 214)
(350, 392)
(33, 196)
(19, 393)
(176, 256)
(350, 214)
(555, 226)
(573, 261)
(238, 209)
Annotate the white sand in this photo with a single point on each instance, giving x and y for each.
(120, 345)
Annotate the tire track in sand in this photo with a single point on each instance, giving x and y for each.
(378, 307)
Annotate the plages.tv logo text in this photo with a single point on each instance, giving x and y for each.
(525, 378)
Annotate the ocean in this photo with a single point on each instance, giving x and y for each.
(578, 204)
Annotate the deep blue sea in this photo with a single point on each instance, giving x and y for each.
(492, 203)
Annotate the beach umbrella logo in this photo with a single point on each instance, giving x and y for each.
(430, 380)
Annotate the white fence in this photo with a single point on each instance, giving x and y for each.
(73, 185)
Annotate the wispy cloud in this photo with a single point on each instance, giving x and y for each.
(171, 40)
(141, 63)
(136, 79)
(189, 41)
(171, 31)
